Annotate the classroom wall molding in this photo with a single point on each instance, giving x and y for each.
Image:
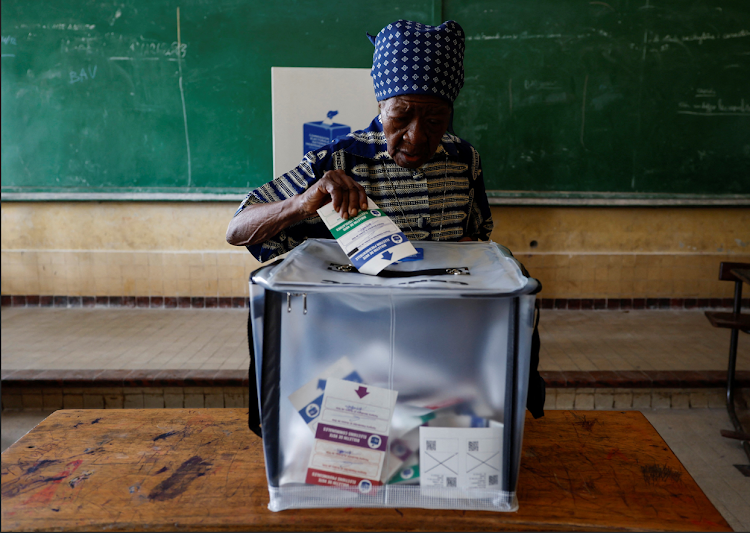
(495, 198)
(177, 250)
(241, 302)
(124, 197)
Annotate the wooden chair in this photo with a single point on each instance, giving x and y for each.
(736, 321)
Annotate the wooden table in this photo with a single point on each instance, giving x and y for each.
(202, 469)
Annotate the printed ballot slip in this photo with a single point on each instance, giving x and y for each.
(308, 399)
(401, 450)
(407, 418)
(460, 458)
(351, 439)
(371, 240)
(407, 475)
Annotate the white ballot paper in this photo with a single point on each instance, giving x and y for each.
(371, 240)
(352, 436)
(460, 458)
(308, 399)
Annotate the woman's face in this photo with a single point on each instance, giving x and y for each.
(413, 125)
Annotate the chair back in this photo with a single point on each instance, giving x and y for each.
(725, 270)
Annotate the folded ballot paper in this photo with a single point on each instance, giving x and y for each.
(362, 439)
(371, 240)
(351, 439)
(308, 400)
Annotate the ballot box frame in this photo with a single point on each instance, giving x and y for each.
(268, 380)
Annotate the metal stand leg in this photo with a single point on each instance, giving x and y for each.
(730, 371)
(730, 391)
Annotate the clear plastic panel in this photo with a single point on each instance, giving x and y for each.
(310, 343)
(453, 340)
(419, 347)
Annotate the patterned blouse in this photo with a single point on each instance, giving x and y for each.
(442, 200)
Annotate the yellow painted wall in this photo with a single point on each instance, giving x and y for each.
(178, 249)
(121, 249)
(626, 252)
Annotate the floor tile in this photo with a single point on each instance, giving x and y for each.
(693, 435)
(117, 338)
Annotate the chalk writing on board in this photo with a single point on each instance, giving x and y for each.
(159, 49)
(120, 48)
(650, 37)
(715, 108)
(84, 75)
(700, 38)
(513, 36)
(525, 36)
(80, 44)
(542, 85)
(705, 93)
(57, 26)
(10, 41)
(60, 26)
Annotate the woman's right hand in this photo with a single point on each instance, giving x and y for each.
(348, 196)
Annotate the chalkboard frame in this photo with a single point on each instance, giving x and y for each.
(496, 198)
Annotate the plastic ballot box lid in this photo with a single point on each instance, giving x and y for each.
(443, 268)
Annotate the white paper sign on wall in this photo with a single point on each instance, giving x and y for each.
(319, 102)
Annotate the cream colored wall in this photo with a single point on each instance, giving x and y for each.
(626, 252)
(178, 249)
(121, 249)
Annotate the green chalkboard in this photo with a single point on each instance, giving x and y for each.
(615, 96)
(563, 98)
(102, 96)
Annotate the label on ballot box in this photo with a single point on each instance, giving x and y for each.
(460, 458)
(351, 439)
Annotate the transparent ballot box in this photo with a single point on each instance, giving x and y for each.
(405, 389)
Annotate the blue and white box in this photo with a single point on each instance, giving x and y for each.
(321, 132)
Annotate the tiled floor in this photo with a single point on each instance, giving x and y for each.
(85, 338)
(16, 424)
(693, 435)
(124, 338)
(635, 340)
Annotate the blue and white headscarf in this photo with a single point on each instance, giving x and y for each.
(414, 58)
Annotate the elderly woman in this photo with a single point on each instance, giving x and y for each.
(426, 179)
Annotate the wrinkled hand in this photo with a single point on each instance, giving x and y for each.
(347, 195)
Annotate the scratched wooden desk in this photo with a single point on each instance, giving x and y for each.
(202, 469)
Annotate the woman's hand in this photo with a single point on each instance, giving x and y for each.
(259, 222)
(335, 186)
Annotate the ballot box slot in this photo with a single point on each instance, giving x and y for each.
(448, 271)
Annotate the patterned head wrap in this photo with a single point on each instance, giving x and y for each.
(414, 58)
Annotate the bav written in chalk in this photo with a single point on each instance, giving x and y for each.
(371, 240)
